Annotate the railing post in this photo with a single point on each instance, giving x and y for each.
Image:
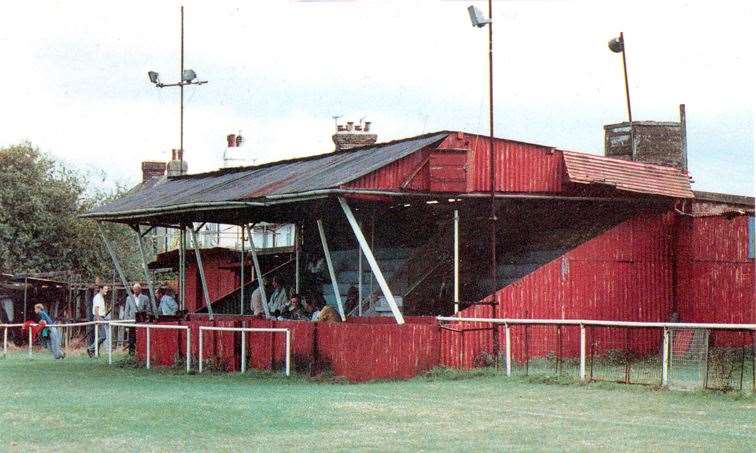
(96, 339)
(199, 350)
(148, 347)
(30, 342)
(288, 352)
(665, 358)
(582, 353)
(243, 351)
(5, 342)
(508, 348)
(188, 349)
(110, 344)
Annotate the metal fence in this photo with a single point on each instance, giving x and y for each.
(675, 355)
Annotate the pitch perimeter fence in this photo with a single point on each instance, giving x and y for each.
(676, 355)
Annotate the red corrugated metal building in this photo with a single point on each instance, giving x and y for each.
(580, 236)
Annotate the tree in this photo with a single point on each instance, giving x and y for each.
(40, 230)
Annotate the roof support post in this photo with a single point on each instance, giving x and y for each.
(296, 258)
(456, 261)
(182, 268)
(241, 275)
(147, 277)
(116, 264)
(258, 272)
(201, 270)
(371, 261)
(359, 279)
(331, 272)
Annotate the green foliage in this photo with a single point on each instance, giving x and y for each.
(40, 230)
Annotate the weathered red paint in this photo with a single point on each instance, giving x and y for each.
(520, 167)
(715, 279)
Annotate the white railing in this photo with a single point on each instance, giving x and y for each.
(149, 327)
(59, 326)
(244, 342)
(583, 323)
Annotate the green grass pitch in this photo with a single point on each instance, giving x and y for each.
(81, 404)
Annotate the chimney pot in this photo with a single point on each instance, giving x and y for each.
(231, 139)
(350, 125)
(367, 126)
(151, 169)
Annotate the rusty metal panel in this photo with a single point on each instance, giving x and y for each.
(587, 169)
(409, 172)
(715, 276)
(448, 171)
(520, 167)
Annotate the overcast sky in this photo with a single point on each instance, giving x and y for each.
(74, 77)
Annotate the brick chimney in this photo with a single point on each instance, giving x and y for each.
(152, 169)
(177, 166)
(653, 142)
(351, 136)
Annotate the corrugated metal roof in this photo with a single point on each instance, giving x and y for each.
(626, 175)
(279, 178)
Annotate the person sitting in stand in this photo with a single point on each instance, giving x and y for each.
(321, 311)
(279, 299)
(256, 302)
(53, 335)
(352, 299)
(168, 305)
(294, 310)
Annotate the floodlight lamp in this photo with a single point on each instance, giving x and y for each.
(154, 77)
(188, 75)
(477, 18)
(617, 45)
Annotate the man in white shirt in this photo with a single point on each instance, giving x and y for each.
(136, 303)
(98, 314)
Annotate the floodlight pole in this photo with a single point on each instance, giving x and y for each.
(492, 170)
(627, 86)
(181, 88)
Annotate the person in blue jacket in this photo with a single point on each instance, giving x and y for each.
(53, 333)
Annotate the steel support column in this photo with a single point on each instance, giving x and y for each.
(201, 270)
(456, 261)
(371, 261)
(147, 277)
(241, 275)
(331, 272)
(258, 272)
(116, 264)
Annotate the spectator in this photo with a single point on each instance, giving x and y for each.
(136, 303)
(321, 311)
(256, 302)
(53, 335)
(294, 309)
(279, 299)
(98, 314)
(352, 299)
(168, 305)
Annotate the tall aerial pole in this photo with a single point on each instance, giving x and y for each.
(186, 77)
(492, 169)
(181, 88)
(476, 16)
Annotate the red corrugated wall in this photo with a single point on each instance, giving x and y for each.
(715, 280)
(622, 274)
(520, 167)
(393, 175)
